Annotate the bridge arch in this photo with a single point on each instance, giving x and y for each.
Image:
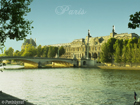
(84, 62)
(37, 60)
(94, 55)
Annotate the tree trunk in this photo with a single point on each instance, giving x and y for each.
(111, 61)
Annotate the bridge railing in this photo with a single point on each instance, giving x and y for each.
(32, 57)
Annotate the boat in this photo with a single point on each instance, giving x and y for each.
(2, 67)
(13, 67)
(137, 102)
(9, 67)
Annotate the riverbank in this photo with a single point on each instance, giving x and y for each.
(5, 98)
(118, 68)
(96, 66)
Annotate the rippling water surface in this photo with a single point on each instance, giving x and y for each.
(72, 86)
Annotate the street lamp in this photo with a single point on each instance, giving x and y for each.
(88, 44)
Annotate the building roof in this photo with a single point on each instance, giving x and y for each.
(29, 41)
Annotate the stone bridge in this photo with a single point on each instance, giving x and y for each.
(37, 61)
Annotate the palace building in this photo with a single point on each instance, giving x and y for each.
(90, 46)
(29, 41)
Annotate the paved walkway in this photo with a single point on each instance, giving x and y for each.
(6, 99)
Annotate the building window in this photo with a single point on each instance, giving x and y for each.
(84, 63)
(95, 48)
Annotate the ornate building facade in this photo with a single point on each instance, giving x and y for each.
(80, 47)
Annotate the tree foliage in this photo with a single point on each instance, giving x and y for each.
(125, 51)
(30, 51)
(39, 51)
(50, 52)
(119, 43)
(110, 44)
(17, 53)
(117, 54)
(3, 55)
(9, 52)
(13, 25)
(135, 54)
(45, 51)
(105, 53)
(54, 51)
(135, 20)
(61, 50)
(129, 54)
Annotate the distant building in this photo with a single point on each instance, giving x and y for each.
(29, 41)
(79, 46)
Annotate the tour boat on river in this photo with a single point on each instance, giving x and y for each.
(3, 67)
(137, 100)
(137, 103)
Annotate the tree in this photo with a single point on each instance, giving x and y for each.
(135, 54)
(61, 50)
(104, 53)
(110, 44)
(13, 24)
(3, 55)
(124, 51)
(135, 20)
(54, 51)
(45, 51)
(133, 41)
(138, 56)
(39, 51)
(118, 43)
(22, 51)
(139, 42)
(50, 52)
(4, 49)
(129, 53)
(125, 42)
(17, 53)
(117, 54)
(9, 52)
(30, 51)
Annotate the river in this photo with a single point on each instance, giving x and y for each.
(72, 86)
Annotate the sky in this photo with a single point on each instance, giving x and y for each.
(62, 21)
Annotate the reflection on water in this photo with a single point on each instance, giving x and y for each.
(72, 86)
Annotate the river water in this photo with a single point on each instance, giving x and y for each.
(72, 86)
